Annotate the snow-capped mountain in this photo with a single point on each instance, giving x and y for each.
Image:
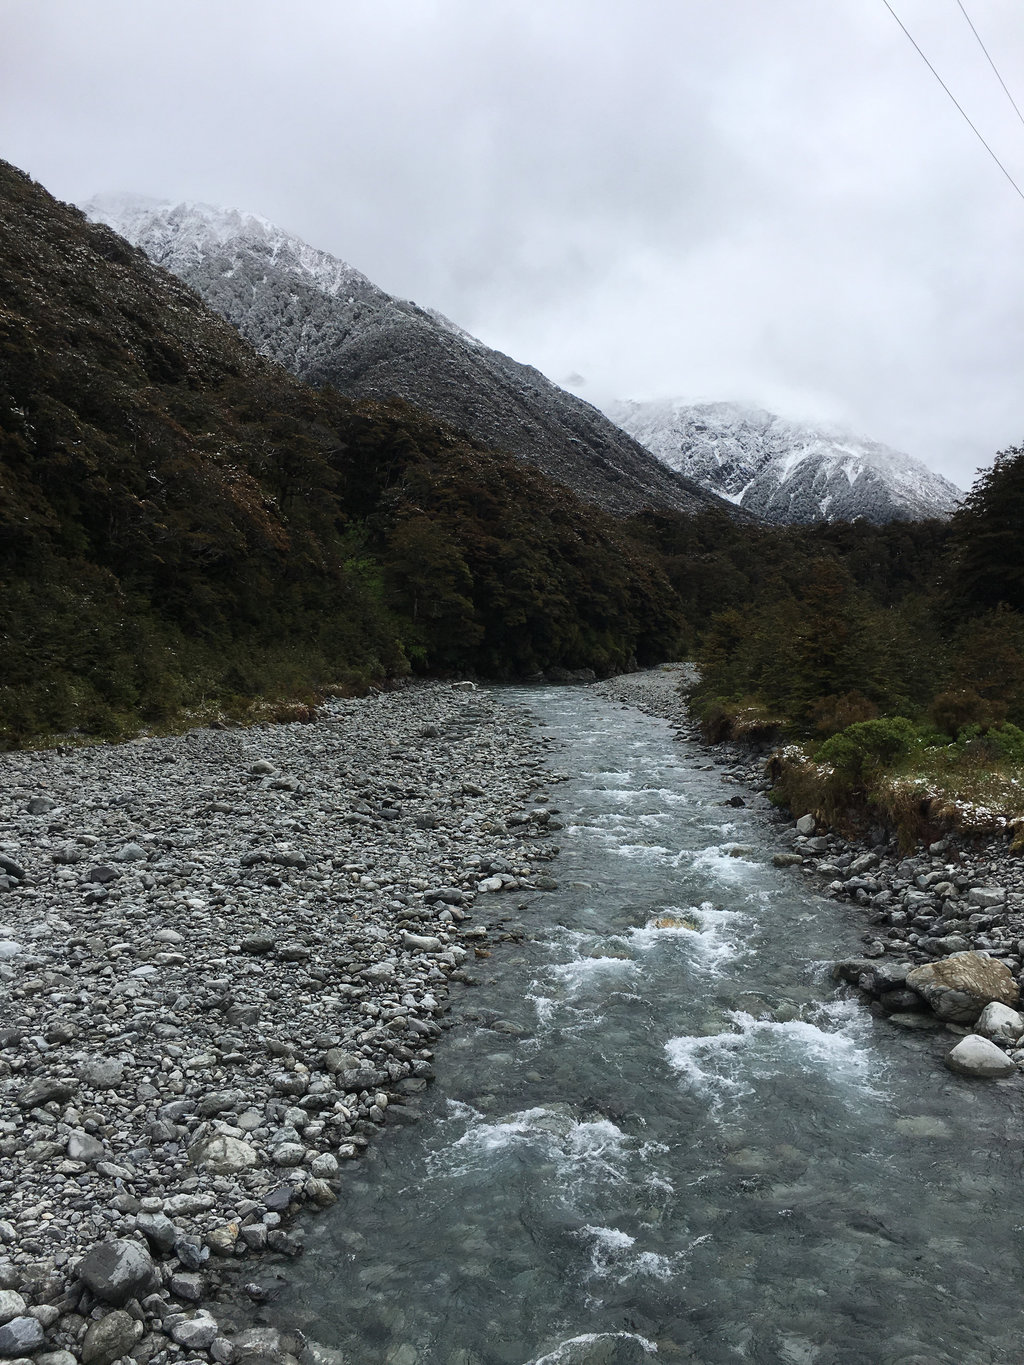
(787, 471)
(329, 324)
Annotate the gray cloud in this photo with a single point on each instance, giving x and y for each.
(728, 200)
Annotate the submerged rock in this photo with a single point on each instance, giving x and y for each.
(598, 1348)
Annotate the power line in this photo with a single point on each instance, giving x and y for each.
(963, 112)
(991, 62)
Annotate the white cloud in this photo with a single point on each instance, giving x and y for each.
(729, 200)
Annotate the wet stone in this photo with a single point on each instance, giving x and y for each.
(118, 1271)
(20, 1336)
(110, 1338)
(977, 1056)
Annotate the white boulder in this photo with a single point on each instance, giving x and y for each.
(1000, 1023)
(977, 1056)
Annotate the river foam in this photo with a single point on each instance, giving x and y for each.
(729, 1065)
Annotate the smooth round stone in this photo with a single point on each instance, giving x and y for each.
(977, 1056)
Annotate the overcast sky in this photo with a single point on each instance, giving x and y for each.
(763, 199)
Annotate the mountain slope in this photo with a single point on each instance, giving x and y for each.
(329, 324)
(785, 471)
(184, 524)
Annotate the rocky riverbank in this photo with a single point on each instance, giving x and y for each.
(944, 946)
(223, 965)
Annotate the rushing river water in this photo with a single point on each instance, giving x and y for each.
(681, 1137)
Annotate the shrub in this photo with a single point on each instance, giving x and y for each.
(747, 720)
(863, 750)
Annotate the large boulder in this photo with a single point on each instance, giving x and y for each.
(118, 1271)
(977, 1056)
(959, 987)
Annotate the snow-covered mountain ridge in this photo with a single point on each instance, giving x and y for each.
(787, 471)
(328, 324)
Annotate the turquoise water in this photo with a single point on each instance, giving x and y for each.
(683, 1143)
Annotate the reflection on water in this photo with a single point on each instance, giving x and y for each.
(693, 1149)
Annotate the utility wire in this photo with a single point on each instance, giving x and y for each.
(991, 62)
(949, 92)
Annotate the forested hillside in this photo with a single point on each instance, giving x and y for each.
(184, 526)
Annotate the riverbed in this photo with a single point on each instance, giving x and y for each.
(659, 1130)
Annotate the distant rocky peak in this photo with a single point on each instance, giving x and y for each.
(786, 470)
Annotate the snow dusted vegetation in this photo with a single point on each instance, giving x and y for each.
(328, 324)
(786, 471)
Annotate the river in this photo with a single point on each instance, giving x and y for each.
(660, 1133)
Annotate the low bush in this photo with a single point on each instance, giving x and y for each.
(869, 747)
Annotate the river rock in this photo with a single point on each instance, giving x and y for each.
(83, 1146)
(257, 1345)
(221, 1154)
(914, 1021)
(977, 1056)
(118, 1271)
(12, 1305)
(337, 1059)
(110, 1338)
(196, 1333)
(43, 1089)
(131, 853)
(987, 897)
(924, 1126)
(158, 1230)
(998, 1022)
(101, 1073)
(421, 943)
(959, 987)
(20, 1337)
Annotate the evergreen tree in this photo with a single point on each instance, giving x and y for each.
(989, 536)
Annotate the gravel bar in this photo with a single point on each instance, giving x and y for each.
(224, 959)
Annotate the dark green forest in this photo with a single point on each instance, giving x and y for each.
(186, 530)
(184, 527)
